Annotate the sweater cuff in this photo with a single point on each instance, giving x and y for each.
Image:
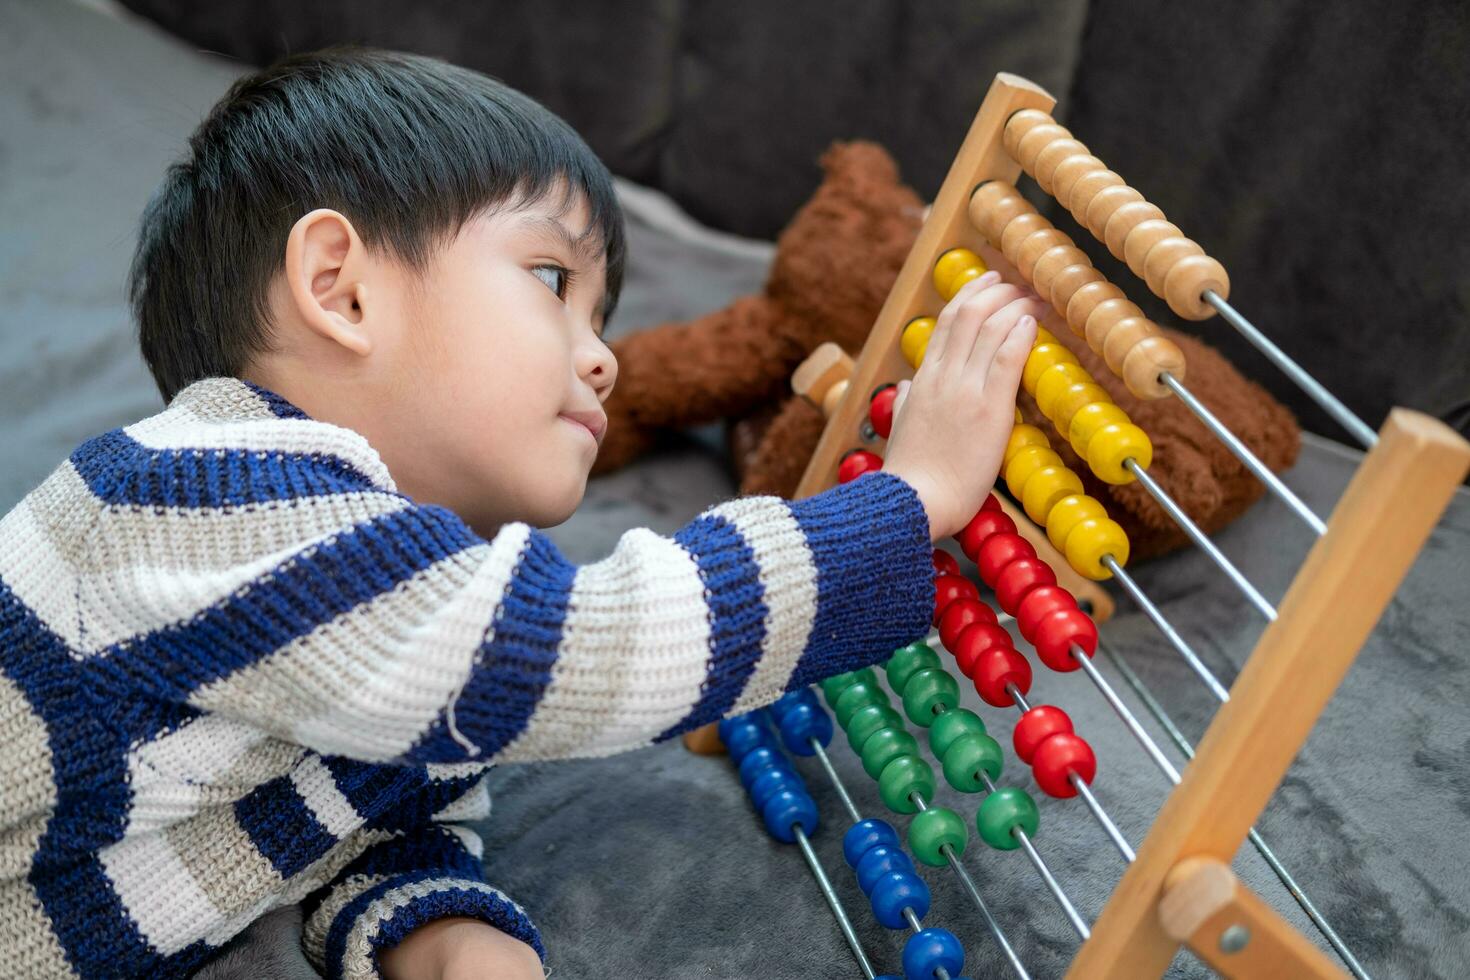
(381, 911)
(869, 540)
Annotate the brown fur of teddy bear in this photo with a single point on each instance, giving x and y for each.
(833, 269)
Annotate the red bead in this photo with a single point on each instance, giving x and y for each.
(1036, 726)
(880, 410)
(1038, 602)
(984, 524)
(960, 614)
(856, 463)
(1059, 756)
(948, 588)
(998, 551)
(1057, 631)
(998, 667)
(1019, 578)
(974, 640)
(945, 563)
(991, 505)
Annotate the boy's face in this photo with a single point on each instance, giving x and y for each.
(502, 370)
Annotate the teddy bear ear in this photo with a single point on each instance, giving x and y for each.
(859, 158)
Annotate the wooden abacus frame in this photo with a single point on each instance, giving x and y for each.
(1180, 889)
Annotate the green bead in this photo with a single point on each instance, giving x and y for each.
(833, 686)
(929, 692)
(904, 775)
(950, 726)
(885, 745)
(1001, 812)
(968, 756)
(866, 721)
(907, 661)
(931, 830)
(855, 698)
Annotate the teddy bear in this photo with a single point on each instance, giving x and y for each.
(833, 267)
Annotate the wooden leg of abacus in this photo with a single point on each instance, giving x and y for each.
(1372, 538)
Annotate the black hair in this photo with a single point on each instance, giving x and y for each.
(407, 147)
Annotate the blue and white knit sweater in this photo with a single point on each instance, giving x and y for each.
(239, 670)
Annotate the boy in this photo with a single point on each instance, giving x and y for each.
(261, 648)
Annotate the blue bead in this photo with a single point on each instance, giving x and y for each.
(783, 704)
(788, 808)
(926, 951)
(757, 761)
(771, 782)
(879, 861)
(726, 725)
(809, 696)
(865, 835)
(895, 892)
(745, 737)
(888, 976)
(801, 724)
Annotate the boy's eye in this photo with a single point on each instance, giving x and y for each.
(556, 278)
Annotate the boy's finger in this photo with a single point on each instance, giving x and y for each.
(939, 341)
(971, 317)
(900, 398)
(1010, 357)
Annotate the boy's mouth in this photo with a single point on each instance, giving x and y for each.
(593, 422)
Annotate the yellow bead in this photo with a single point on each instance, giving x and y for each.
(1055, 380)
(1024, 435)
(1088, 420)
(1043, 356)
(1044, 488)
(915, 340)
(1112, 445)
(1018, 416)
(1073, 399)
(1067, 513)
(963, 276)
(1090, 540)
(948, 268)
(1026, 462)
(1043, 336)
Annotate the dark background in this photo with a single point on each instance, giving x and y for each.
(1316, 149)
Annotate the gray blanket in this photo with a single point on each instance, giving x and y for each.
(652, 864)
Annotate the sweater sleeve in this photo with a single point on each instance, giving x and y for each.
(406, 638)
(395, 887)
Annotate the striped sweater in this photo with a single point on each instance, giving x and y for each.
(239, 670)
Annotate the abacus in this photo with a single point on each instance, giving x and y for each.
(1178, 887)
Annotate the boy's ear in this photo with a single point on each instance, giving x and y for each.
(326, 263)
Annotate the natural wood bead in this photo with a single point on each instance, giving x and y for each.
(1018, 229)
(1103, 204)
(1032, 247)
(833, 397)
(1065, 283)
(1050, 156)
(1071, 170)
(1104, 317)
(991, 212)
(1052, 261)
(1037, 140)
(1125, 219)
(1162, 258)
(1085, 188)
(1019, 124)
(1148, 358)
(1144, 236)
(1121, 339)
(1186, 282)
(1086, 299)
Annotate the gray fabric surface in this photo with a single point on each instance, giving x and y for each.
(651, 864)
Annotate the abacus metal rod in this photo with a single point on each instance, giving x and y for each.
(1257, 841)
(918, 927)
(954, 862)
(1165, 627)
(1128, 718)
(1083, 790)
(1314, 389)
(1042, 869)
(1199, 538)
(964, 876)
(1242, 452)
(832, 900)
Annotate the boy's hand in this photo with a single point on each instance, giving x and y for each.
(460, 949)
(951, 423)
